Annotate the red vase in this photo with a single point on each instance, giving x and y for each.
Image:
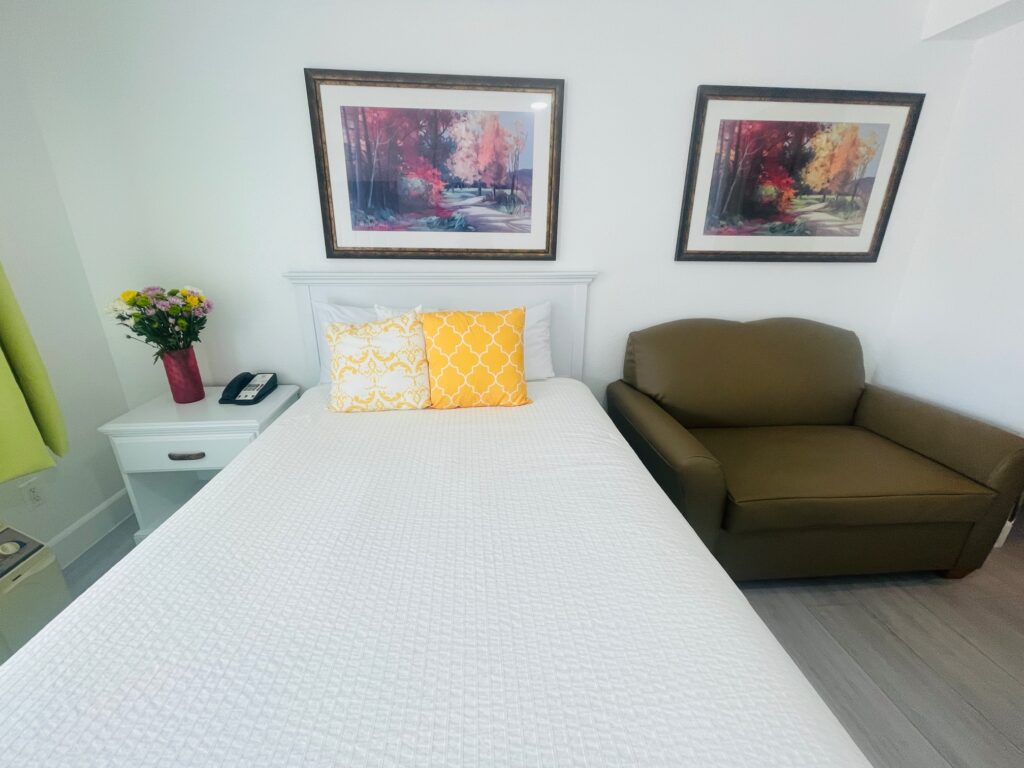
(183, 375)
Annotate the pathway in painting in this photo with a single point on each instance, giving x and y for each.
(820, 222)
(480, 214)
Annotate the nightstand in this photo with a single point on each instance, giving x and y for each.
(168, 451)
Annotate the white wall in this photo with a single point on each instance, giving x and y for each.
(39, 255)
(956, 335)
(970, 19)
(180, 138)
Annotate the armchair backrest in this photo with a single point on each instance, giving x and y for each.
(720, 373)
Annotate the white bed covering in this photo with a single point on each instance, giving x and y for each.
(486, 587)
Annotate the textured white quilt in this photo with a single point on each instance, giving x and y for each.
(486, 587)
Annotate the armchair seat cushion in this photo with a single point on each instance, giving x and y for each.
(832, 476)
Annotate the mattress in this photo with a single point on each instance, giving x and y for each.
(484, 587)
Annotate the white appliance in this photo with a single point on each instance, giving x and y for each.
(32, 589)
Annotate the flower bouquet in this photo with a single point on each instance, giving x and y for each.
(169, 320)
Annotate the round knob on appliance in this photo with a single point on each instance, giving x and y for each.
(9, 547)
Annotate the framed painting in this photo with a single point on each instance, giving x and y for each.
(436, 166)
(791, 174)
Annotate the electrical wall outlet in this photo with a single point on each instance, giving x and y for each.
(33, 493)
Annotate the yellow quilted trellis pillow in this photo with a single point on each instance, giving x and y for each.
(475, 358)
(378, 366)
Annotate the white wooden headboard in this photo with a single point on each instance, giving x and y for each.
(566, 292)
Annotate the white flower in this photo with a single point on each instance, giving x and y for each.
(193, 289)
(118, 307)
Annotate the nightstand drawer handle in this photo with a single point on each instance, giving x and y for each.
(187, 456)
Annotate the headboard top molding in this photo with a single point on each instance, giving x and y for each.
(300, 277)
(565, 291)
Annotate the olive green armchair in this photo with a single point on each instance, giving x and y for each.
(786, 464)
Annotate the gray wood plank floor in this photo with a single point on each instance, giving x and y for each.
(81, 574)
(922, 671)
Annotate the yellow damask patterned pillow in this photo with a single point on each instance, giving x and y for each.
(475, 358)
(378, 366)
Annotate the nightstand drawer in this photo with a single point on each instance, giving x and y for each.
(173, 454)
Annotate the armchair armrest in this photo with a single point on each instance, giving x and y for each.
(690, 475)
(986, 454)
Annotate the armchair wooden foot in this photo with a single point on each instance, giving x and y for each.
(957, 573)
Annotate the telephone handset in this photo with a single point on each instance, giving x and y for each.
(248, 388)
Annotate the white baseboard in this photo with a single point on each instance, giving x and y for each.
(75, 540)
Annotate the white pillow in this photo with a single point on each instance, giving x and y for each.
(323, 315)
(537, 343)
(386, 313)
(536, 337)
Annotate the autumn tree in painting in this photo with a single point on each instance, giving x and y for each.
(436, 169)
(766, 175)
(839, 161)
(463, 161)
(489, 154)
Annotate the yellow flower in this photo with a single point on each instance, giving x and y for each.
(192, 300)
(129, 295)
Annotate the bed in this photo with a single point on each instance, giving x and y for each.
(485, 587)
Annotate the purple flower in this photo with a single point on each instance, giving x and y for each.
(209, 305)
(151, 290)
(176, 300)
(199, 311)
(163, 304)
(149, 311)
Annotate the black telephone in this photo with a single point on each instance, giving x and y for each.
(248, 388)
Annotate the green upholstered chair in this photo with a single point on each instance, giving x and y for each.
(786, 464)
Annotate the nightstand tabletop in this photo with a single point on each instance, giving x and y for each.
(162, 414)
